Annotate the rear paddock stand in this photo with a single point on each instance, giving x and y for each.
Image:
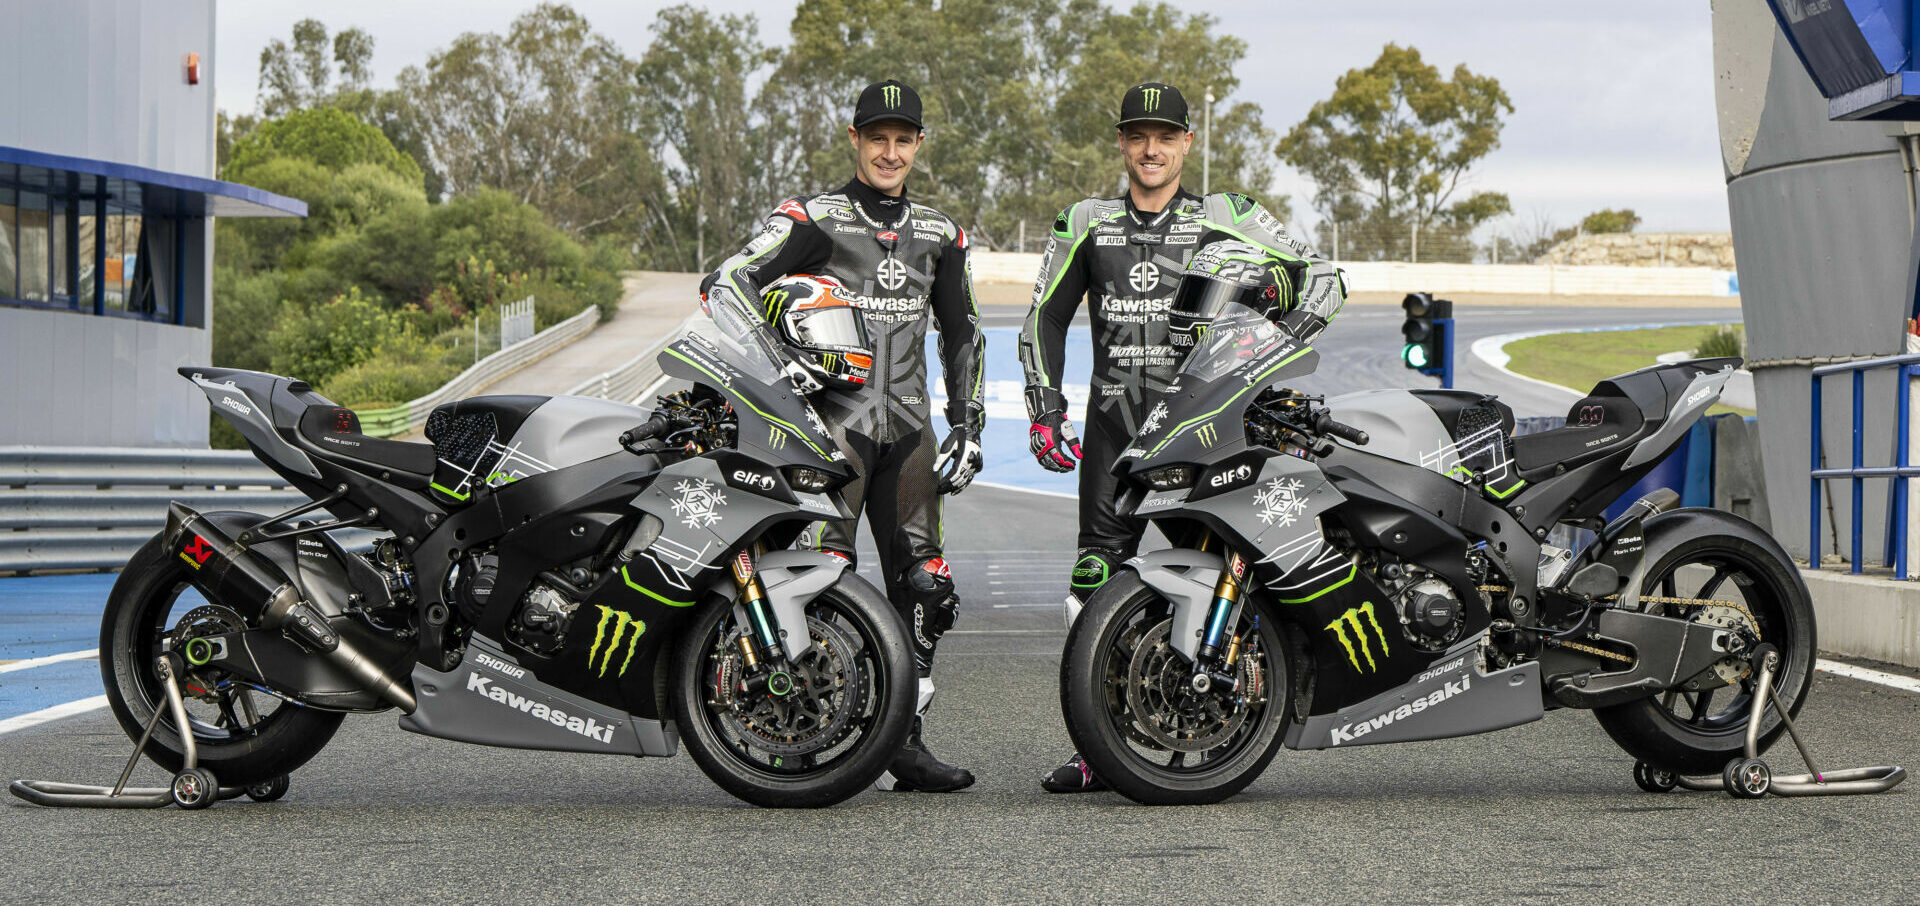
(1748, 777)
(194, 787)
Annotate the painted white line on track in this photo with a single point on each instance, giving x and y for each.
(1869, 675)
(49, 659)
(1005, 632)
(56, 712)
(1015, 487)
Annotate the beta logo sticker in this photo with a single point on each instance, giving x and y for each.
(196, 552)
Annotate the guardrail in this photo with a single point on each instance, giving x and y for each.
(92, 507)
(1906, 367)
(627, 381)
(413, 414)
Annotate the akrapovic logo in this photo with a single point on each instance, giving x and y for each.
(1354, 731)
(487, 660)
(588, 727)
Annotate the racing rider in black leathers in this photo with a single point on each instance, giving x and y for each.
(900, 262)
(1125, 256)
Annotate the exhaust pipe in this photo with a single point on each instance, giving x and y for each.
(227, 571)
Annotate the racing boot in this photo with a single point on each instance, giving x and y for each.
(1072, 777)
(916, 770)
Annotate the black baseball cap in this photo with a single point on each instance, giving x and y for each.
(1154, 102)
(888, 100)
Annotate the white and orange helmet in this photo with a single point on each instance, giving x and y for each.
(822, 328)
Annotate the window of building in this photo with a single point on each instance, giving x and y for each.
(35, 257)
(9, 232)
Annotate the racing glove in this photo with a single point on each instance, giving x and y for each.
(960, 455)
(1051, 437)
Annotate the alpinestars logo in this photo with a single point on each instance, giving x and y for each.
(1154, 417)
(621, 622)
(1281, 502)
(890, 96)
(1143, 276)
(1150, 99)
(1351, 732)
(699, 502)
(588, 727)
(1351, 620)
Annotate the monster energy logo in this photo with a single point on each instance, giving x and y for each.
(827, 360)
(890, 95)
(775, 438)
(1151, 98)
(776, 299)
(1352, 618)
(621, 620)
(1208, 434)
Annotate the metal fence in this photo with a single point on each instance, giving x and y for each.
(411, 415)
(1906, 368)
(64, 508)
(633, 378)
(516, 322)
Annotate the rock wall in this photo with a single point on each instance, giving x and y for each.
(1645, 250)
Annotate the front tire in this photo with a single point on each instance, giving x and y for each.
(825, 748)
(1120, 644)
(235, 736)
(1698, 733)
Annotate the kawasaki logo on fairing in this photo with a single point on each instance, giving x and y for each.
(621, 621)
(1352, 619)
(588, 727)
(1351, 732)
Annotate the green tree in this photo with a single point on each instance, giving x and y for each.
(1389, 151)
(326, 136)
(1608, 220)
(547, 112)
(312, 70)
(313, 344)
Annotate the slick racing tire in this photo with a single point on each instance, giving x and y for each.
(1120, 643)
(242, 744)
(845, 709)
(1712, 555)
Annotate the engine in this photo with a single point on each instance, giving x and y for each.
(1431, 614)
(542, 620)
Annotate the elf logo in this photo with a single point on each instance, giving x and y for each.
(747, 479)
(588, 727)
(196, 552)
(1354, 731)
(1232, 476)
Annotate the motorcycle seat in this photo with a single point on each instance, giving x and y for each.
(1596, 425)
(334, 432)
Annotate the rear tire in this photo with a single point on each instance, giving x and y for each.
(1651, 729)
(1108, 734)
(130, 631)
(849, 614)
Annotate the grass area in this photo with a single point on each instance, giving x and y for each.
(1581, 360)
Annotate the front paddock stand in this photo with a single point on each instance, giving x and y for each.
(194, 787)
(1748, 777)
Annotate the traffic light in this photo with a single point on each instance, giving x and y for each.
(1426, 349)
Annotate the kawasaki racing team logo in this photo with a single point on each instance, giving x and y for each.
(1351, 620)
(890, 96)
(892, 273)
(621, 622)
(1143, 276)
(1150, 99)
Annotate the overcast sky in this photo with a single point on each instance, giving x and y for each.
(1613, 102)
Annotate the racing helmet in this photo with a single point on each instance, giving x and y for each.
(823, 330)
(1223, 273)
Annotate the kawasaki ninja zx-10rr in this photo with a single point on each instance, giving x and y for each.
(552, 573)
(1373, 570)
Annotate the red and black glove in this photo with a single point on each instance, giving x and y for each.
(1051, 438)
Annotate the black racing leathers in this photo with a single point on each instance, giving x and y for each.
(901, 263)
(1127, 264)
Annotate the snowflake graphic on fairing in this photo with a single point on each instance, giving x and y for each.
(1281, 502)
(1152, 423)
(813, 418)
(698, 501)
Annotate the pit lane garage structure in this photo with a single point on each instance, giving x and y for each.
(106, 219)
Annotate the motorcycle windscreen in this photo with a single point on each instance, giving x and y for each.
(778, 424)
(1202, 415)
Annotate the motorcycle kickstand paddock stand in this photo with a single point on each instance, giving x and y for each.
(1750, 778)
(193, 787)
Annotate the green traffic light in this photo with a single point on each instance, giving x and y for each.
(1415, 355)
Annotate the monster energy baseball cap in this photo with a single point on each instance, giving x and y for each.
(888, 100)
(1154, 102)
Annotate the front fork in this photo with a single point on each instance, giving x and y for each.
(1219, 645)
(761, 642)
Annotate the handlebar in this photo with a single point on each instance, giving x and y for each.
(654, 427)
(1323, 423)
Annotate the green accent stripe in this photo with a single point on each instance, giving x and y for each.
(448, 491)
(1039, 361)
(1518, 483)
(1243, 392)
(796, 432)
(1351, 570)
(649, 592)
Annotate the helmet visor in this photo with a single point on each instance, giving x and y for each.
(1201, 299)
(829, 327)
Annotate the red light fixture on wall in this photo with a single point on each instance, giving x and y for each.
(193, 69)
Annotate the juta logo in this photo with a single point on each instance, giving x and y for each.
(1351, 619)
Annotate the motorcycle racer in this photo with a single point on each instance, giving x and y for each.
(1125, 256)
(900, 263)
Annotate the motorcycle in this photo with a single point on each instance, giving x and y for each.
(1375, 567)
(552, 573)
